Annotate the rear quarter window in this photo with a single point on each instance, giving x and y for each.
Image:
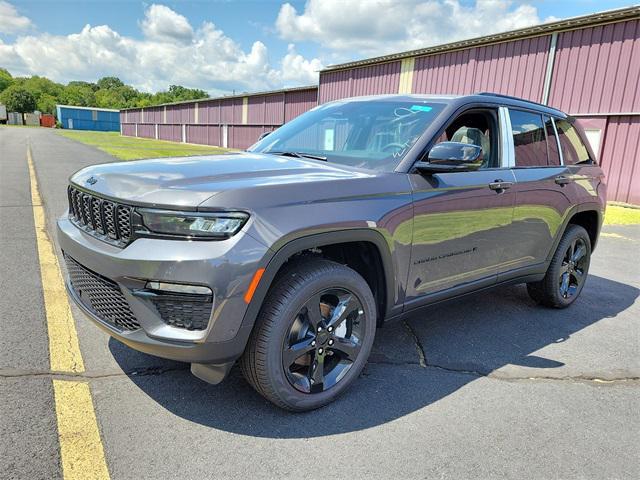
(573, 148)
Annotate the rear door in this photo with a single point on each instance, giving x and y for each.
(544, 189)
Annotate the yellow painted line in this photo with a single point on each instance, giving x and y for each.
(80, 445)
(81, 449)
(64, 350)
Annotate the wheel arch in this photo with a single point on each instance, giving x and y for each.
(320, 240)
(589, 216)
(591, 221)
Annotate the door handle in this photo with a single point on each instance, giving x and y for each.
(562, 180)
(499, 185)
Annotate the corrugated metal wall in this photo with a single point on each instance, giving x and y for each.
(147, 130)
(296, 103)
(373, 80)
(86, 118)
(246, 117)
(511, 68)
(621, 158)
(597, 70)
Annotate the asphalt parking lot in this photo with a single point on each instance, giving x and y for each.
(490, 386)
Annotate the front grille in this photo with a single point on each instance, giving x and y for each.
(183, 313)
(101, 296)
(104, 219)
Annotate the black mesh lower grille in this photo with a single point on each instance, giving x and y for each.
(184, 314)
(102, 296)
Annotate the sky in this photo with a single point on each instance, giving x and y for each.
(225, 46)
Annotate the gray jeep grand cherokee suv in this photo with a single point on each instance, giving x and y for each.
(286, 257)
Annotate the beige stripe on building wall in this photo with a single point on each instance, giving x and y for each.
(245, 110)
(406, 75)
(196, 113)
(164, 115)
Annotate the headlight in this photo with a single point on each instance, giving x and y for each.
(208, 225)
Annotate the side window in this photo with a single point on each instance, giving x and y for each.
(552, 142)
(476, 127)
(573, 149)
(529, 139)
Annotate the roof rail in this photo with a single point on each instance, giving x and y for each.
(511, 97)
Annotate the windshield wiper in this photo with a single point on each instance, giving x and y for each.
(299, 155)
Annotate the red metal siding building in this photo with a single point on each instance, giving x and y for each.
(587, 66)
(234, 122)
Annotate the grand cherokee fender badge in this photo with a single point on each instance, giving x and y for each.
(91, 180)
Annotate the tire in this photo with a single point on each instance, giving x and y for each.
(567, 272)
(285, 325)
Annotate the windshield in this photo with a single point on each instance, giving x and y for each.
(373, 134)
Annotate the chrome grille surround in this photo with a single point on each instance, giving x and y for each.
(104, 219)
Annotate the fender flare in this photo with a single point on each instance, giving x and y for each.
(307, 242)
(584, 207)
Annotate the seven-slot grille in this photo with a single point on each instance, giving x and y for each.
(102, 296)
(101, 218)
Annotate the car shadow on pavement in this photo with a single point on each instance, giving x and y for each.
(413, 365)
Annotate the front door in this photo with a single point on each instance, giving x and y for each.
(460, 219)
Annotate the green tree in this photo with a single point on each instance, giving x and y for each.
(178, 93)
(5, 79)
(46, 103)
(81, 83)
(109, 83)
(79, 94)
(18, 99)
(41, 85)
(118, 97)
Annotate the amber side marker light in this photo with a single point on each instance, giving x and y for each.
(253, 285)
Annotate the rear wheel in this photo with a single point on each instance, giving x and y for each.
(313, 335)
(567, 271)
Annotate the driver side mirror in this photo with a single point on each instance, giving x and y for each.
(451, 157)
(262, 135)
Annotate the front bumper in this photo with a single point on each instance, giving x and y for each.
(226, 267)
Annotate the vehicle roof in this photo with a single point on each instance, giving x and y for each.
(460, 100)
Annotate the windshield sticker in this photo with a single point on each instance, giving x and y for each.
(421, 108)
(329, 135)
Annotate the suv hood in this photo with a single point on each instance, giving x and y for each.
(187, 182)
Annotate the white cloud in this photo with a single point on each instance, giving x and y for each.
(171, 52)
(297, 69)
(163, 24)
(10, 20)
(379, 27)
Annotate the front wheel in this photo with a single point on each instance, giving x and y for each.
(313, 335)
(567, 271)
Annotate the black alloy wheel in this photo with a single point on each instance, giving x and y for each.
(572, 271)
(324, 340)
(567, 272)
(313, 334)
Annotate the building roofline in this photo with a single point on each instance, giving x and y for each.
(89, 108)
(227, 97)
(594, 19)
